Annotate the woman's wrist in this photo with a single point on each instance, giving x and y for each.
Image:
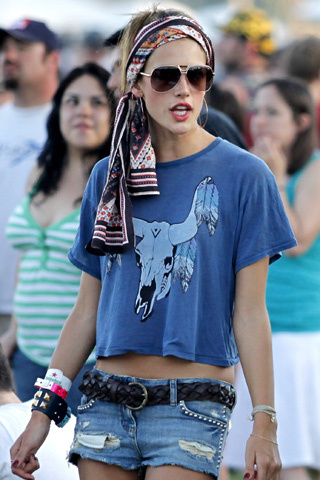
(52, 405)
(265, 409)
(40, 417)
(263, 426)
(266, 439)
(56, 376)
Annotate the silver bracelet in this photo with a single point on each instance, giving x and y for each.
(265, 409)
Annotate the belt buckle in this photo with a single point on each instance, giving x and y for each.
(144, 395)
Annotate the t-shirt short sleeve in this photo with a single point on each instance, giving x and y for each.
(78, 255)
(264, 229)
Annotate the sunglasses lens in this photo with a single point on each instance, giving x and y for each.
(165, 78)
(200, 77)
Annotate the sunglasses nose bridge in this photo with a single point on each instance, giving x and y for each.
(183, 82)
(183, 69)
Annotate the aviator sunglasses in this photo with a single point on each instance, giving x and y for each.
(166, 77)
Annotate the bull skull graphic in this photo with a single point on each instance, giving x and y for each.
(167, 252)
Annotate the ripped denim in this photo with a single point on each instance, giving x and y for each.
(189, 434)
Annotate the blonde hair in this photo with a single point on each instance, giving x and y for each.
(137, 22)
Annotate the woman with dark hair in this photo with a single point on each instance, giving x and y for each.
(283, 128)
(44, 224)
(54, 157)
(176, 233)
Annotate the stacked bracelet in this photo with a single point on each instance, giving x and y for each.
(56, 376)
(52, 387)
(265, 409)
(51, 404)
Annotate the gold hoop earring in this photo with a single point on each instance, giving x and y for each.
(206, 113)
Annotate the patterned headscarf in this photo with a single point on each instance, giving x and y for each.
(132, 163)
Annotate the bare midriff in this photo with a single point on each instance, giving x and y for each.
(152, 367)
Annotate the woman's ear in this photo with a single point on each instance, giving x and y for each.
(137, 91)
(304, 121)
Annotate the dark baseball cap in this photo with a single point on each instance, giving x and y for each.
(31, 31)
(114, 39)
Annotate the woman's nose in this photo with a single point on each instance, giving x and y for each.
(259, 118)
(85, 108)
(183, 86)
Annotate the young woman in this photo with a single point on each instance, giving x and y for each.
(44, 225)
(183, 275)
(283, 128)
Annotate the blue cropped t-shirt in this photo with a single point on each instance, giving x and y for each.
(218, 211)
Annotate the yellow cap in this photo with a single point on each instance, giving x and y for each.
(256, 27)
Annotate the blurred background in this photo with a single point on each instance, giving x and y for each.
(83, 25)
(298, 17)
(85, 21)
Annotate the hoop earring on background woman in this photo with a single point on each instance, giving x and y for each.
(206, 114)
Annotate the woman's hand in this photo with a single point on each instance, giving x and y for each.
(23, 459)
(262, 459)
(269, 151)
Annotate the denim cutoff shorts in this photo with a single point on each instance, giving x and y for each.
(188, 434)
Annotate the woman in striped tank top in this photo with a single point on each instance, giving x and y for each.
(44, 224)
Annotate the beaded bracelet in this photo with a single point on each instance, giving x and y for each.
(52, 405)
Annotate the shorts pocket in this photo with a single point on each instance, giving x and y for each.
(86, 404)
(206, 411)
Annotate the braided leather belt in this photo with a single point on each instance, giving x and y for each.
(136, 396)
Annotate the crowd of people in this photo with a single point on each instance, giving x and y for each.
(138, 300)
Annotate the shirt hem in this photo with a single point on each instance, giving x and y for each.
(216, 361)
(274, 253)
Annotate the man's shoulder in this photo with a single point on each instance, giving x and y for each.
(10, 108)
(9, 408)
(14, 417)
(6, 108)
(220, 125)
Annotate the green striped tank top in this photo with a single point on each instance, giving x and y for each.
(47, 284)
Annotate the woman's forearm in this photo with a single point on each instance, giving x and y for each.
(78, 335)
(253, 338)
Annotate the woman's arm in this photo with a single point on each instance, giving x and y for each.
(303, 215)
(8, 339)
(253, 337)
(33, 178)
(76, 342)
(78, 336)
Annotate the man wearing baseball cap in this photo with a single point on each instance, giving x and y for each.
(30, 63)
(244, 52)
